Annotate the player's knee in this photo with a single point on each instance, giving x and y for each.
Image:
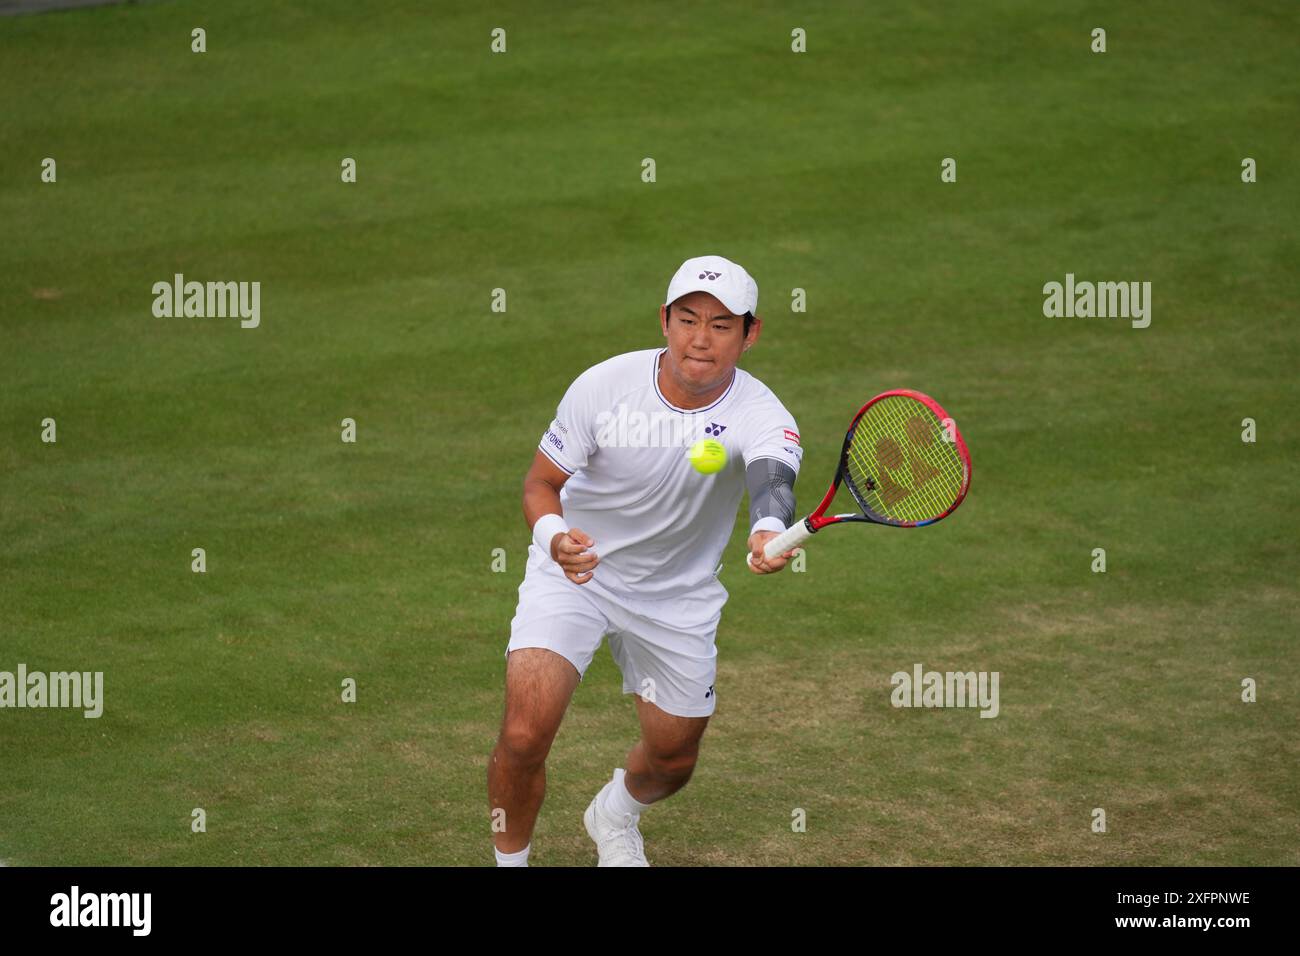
(523, 744)
(677, 765)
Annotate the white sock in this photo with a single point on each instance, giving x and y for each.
(519, 858)
(619, 800)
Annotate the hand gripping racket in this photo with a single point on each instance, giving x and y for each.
(904, 463)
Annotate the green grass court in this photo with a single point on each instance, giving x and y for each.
(522, 171)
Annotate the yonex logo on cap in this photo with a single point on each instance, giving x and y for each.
(724, 279)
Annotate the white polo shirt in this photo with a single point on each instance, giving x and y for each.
(659, 525)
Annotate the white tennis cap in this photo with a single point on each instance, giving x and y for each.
(723, 279)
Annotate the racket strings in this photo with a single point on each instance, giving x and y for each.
(917, 474)
(922, 474)
(900, 462)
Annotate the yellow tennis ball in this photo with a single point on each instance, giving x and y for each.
(708, 456)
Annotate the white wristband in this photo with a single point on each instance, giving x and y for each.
(770, 523)
(546, 528)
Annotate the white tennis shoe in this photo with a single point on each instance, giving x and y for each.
(618, 842)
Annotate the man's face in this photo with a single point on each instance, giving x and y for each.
(704, 341)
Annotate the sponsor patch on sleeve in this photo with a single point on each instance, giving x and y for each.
(791, 436)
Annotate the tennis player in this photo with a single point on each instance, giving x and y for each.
(627, 542)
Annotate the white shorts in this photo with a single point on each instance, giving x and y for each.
(664, 648)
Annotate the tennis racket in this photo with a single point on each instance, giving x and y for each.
(903, 461)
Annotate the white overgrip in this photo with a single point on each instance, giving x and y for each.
(791, 537)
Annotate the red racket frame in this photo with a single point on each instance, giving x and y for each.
(816, 521)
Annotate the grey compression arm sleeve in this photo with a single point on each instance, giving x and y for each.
(771, 491)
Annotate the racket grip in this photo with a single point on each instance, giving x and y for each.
(791, 537)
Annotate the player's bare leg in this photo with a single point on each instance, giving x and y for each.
(539, 686)
(664, 758)
(657, 767)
